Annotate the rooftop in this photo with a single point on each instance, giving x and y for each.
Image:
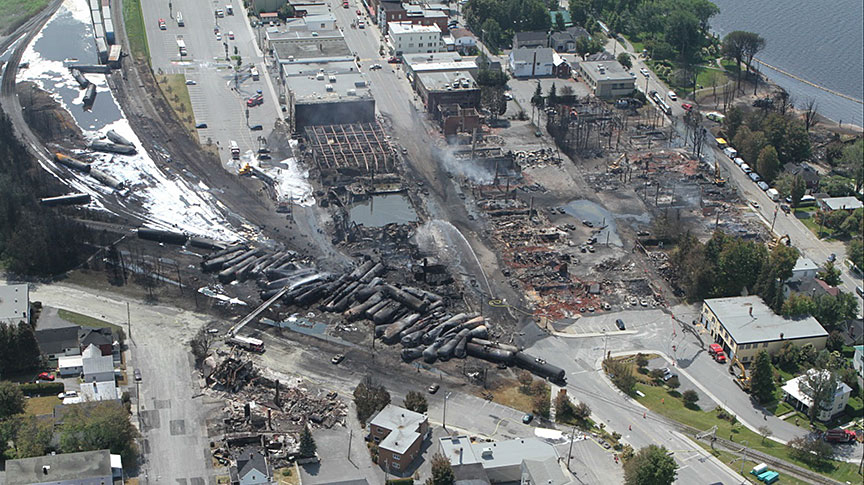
(537, 36)
(460, 450)
(303, 46)
(14, 302)
(748, 319)
(446, 81)
(403, 424)
(66, 361)
(523, 54)
(57, 339)
(805, 264)
(397, 28)
(840, 203)
(65, 466)
(95, 362)
(791, 388)
(605, 71)
(325, 81)
(99, 391)
(547, 472)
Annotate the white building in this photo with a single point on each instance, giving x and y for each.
(97, 367)
(408, 38)
(526, 62)
(14, 304)
(802, 401)
(858, 363)
(805, 269)
(69, 366)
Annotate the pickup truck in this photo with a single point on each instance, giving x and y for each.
(839, 436)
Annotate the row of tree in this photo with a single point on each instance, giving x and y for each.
(729, 266)
(767, 140)
(34, 240)
(19, 350)
(495, 21)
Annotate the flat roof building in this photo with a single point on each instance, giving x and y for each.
(82, 468)
(399, 434)
(502, 461)
(447, 88)
(410, 38)
(840, 203)
(744, 325)
(607, 79)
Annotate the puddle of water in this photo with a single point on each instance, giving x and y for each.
(585, 210)
(380, 210)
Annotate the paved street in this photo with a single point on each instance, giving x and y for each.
(214, 100)
(172, 411)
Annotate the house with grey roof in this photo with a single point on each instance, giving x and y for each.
(58, 342)
(840, 203)
(503, 461)
(399, 434)
(251, 469)
(530, 40)
(97, 367)
(83, 468)
(565, 40)
(745, 325)
(532, 62)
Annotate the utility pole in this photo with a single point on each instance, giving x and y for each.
(128, 321)
(570, 451)
(444, 419)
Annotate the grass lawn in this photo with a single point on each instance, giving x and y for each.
(662, 402)
(510, 395)
(710, 75)
(86, 321)
(173, 87)
(806, 216)
(782, 408)
(287, 476)
(40, 406)
(735, 464)
(16, 12)
(133, 18)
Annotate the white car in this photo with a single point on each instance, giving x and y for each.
(644, 72)
(219, 36)
(66, 394)
(671, 94)
(230, 35)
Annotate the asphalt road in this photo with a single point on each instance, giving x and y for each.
(217, 98)
(172, 411)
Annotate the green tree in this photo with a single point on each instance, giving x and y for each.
(442, 471)
(579, 11)
(308, 448)
(537, 98)
(837, 185)
(829, 274)
(814, 452)
(734, 120)
(834, 311)
(582, 411)
(751, 147)
(625, 61)
(11, 400)
(491, 33)
(369, 398)
(768, 164)
(559, 22)
(285, 12)
(797, 147)
(682, 32)
(33, 438)
(564, 409)
(542, 402)
(690, 397)
(552, 97)
(416, 401)
(734, 48)
(621, 375)
(762, 383)
(819, 385)
(852, 163)
(798, 305)
(525, 379)
(783, 184)
(855, 253)
(835, 341)
(651, 465)
(104, 425)
(799, 188)
(764, 432)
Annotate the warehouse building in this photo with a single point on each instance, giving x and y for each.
(607, 79)
(744, 325)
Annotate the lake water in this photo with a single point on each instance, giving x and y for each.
(817, 40)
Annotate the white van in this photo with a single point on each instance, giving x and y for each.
(229, 9)
(739, 161)
(730, 152)
(746, 168)
(180, 20)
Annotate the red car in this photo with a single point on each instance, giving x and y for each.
(345, 4)
(162, 24)
(255, 100)
(393, 60)
(359, 12)
(687, 106)
(45, 376)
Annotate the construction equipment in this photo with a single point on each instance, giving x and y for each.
(742, 379)
(245, 170)
(778, 240)
(615, 166)
(718, 180)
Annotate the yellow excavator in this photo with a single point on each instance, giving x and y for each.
(718, 180)
(245, 170)
(784, 239)
(615, 166)
(742, 379)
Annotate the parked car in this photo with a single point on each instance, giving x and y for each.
(137, 374)
(190, 82)
(230, 35)
(671, 95)
(620, 324)
(45, 376)
(686, 106)
(527, 418)
(715, 117)
(762, 185)
(433, 388)
(644, 72)
(64, 395)
(200, 126)
(162, 25)
(256, 127)
(337, 358)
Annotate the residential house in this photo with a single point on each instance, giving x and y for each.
(804, 269)
(390, 12)
(70, 366)
(607, 79)
(532, 62)
(812, 287)
(840, 203)
(565, 40)
(251, 469)
(97, 367)
(561, 68)
(565, 16)
(599, 56)
(82, 468)
(805, 171)
(530, 40)
(744, 325)
(802, 399)
(548, 471)
(102, 338)
(57, 342)
(463, 40)
(399, 434)
(14, 304)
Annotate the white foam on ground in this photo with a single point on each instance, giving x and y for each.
(169, 201)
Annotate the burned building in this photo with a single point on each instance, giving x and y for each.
(456, 119)
(350, 149)
(323, 83)
(447, 88)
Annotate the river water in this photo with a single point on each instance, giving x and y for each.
(821, 41)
